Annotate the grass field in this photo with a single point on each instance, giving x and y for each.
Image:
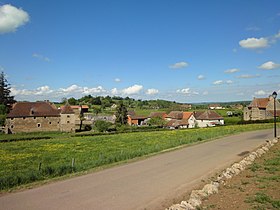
(24, 162)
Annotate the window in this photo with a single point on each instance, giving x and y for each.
(68, 121)
(34, 118)
(50, 123)
(68, 116)
(39, 125)
(45, 117)
(12, 126)
(12, 118)
(23, 118)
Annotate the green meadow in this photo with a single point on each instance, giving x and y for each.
(25, 161)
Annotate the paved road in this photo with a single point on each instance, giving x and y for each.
(146, 184)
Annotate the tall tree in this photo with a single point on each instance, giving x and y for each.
(5, 90)
(121, 114)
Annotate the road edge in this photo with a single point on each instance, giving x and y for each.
(197, 196)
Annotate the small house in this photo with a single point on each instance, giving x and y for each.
(208, 118)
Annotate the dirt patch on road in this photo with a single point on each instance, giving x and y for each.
(257, 187)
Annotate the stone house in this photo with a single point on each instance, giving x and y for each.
(208, 118)
(39, 117)
(261, 109)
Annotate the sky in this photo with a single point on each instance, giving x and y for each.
(188, 51)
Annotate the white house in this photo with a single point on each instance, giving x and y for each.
(208, 118)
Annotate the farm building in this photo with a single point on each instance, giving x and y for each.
(38, 117)
(261, 109)
(179, 119)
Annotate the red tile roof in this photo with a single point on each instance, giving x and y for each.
(175, 115)
(177, 123)
(259, 102)
(78, 107)
(207, 115)
(158, 114)
(187, 115)
(67, 110)
(34, 109)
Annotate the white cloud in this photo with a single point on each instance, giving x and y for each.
(117, 80)
(269, 65)
(1, 68)
(11, 18)
(254, 43)
(260, 92)
(200, 77)
(248, 76)
(257, 43)
(205, 93)
(152, 91)
(184, 91)
(135, 89)
(16, 92)
(72, 88)
(187, 91)
(114, 91)
(218, 82)
(253, 28)
(41, 57)
(179, 65)
(83, 90)
(43, 90)
(94, 90)
(230, 71)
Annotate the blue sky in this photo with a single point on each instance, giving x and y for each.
(180, 50)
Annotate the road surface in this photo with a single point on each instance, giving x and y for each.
(152, 183)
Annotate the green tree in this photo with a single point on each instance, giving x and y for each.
(72, 101)
(96, 110)
(157, 121)
(5, 91)
(121, 114)
(102, 126)
(3, 111)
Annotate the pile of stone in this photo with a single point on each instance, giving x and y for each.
(197, 196)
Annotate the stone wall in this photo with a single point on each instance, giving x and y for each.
(67, 122)
(32, 124)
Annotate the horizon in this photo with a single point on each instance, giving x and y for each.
(184, 51)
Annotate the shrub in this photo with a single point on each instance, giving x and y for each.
(102, 126)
